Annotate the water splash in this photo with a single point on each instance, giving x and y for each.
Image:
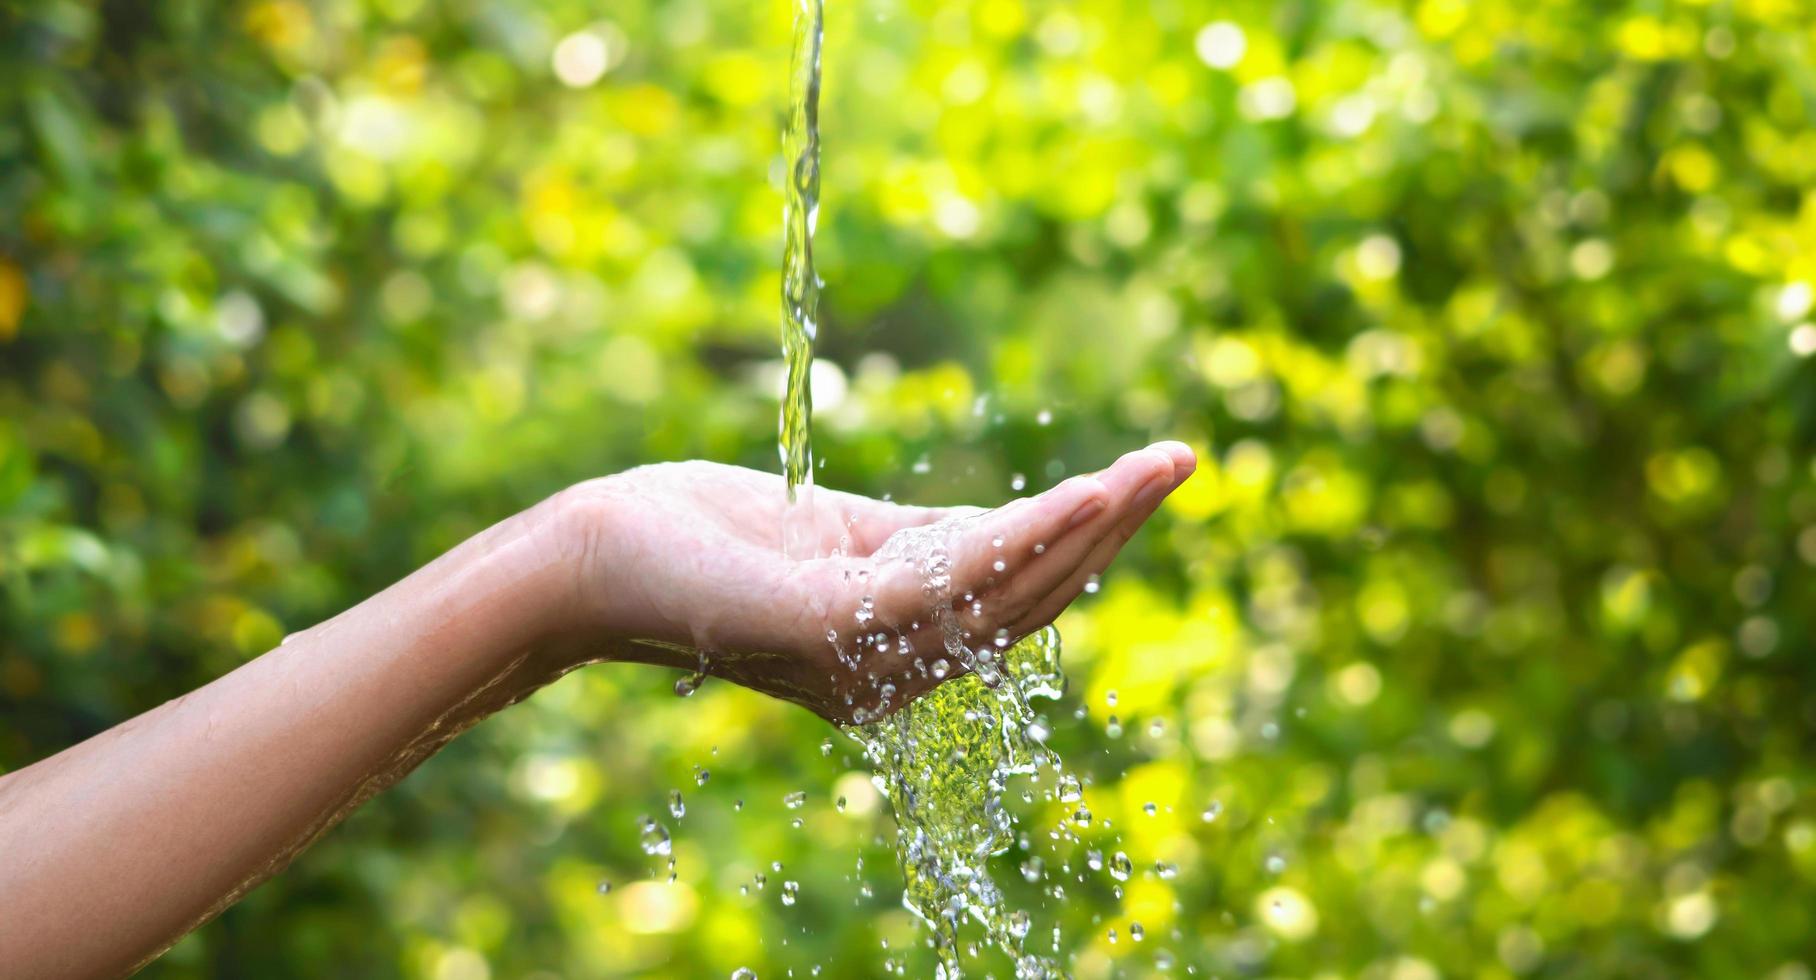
(944, 762)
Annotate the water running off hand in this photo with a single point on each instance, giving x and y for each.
(945, 760)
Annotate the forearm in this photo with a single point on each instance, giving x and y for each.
(116, 847)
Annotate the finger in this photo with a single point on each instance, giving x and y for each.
(1032, 577)
(985, 547)
(1131, 489)
(1105, 548)
(972, 550)
(865, 523)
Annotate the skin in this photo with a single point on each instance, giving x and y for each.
(154, 826)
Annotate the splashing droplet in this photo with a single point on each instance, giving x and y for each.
(655, 840)
(1120, 866)
(1033, 869)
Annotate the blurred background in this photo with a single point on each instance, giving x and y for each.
(1483, 633)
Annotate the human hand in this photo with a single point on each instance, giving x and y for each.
(681, 564)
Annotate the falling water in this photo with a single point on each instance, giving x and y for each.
(945, 762)
(800, 283)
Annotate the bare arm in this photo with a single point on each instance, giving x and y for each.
(160, 822)
(156, 825)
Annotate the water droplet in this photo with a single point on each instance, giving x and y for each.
(1069, 790)
(1121, 867)
(789, 889)
(1044, 417)
(1113, 727)
(1275, 864)
(701, 776)
(1109, 699)
(688, 684)
(1018, 482)
(1082, 817)
(744, 973)
(1148, 808)
(605, 888)
(999, 565)
(1094, 860)
(1032, 869)
(1040, 548)
(940, 669)
(655, 840)
(1093, 583)
(1166, 871)
(1157, 728)
(1020, 923)
(676, 808)
(1212, 812)
(794, 800)
(1136, 933)
(839, 804)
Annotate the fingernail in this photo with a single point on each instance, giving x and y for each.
(1090, 509)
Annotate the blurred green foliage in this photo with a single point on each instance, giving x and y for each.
(1488, 614)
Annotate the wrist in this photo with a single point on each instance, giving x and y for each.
(574, 530)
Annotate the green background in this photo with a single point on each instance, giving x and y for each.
(1488, 612)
